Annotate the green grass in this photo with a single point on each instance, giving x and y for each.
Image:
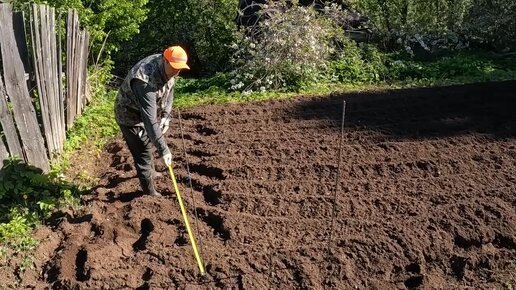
(92, 129)
(96, 123)
(28, 197)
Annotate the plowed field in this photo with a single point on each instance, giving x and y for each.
(426, 199)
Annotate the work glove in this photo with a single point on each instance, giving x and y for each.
(163, 125)
(167, 158)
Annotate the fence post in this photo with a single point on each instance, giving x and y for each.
(16, 88)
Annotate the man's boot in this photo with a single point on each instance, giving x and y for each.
(148, 186)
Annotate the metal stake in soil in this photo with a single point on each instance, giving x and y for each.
(337, 179)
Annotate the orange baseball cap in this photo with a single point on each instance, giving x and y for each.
(176, 57)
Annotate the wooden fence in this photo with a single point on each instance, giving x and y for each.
(38, 99)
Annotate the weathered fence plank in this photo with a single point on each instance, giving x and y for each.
(4, 154)
(45, 52)
(84, 69)
(8, 127)
(59, 138)
(70, 108)
(16, 88)
(77, 59)
(60, 102)
(41, 77)
(78, 76)
(21, 42)
(76, 72)
(49, 69)
(60, 85)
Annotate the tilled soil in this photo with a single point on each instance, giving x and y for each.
(425, 199)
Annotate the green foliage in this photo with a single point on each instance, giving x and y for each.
(120, 19)
(354, 64)
(203, 27)
(493, 22)
(472, 67)
(217, 82)
(410, 15)
(97, 122)
(116, 20)
(28, 196)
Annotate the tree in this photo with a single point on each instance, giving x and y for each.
(203, 27)
(112, 21)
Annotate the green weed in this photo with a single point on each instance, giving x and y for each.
(27, 197)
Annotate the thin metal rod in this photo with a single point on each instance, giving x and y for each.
(189, 177)
(337, 179)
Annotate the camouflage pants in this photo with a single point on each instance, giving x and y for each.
(140, 146)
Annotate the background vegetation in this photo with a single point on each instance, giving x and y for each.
(294, 48)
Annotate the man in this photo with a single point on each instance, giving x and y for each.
(142, 110)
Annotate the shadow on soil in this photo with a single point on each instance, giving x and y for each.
(487, 108)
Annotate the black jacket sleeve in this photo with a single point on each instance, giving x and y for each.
(146, 97)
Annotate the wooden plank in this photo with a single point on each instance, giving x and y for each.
(21, 41)
(76, 44)
(49, 79)
(86, 97)
(52, 61)
(72, 71)
(76, 71)
(78, 75)
(60, 86)
(16, 88)
(67, 66)
(3, 152)
(55, 80)
(70, 37)
(8, 127)
(45, 77)
(41, 76)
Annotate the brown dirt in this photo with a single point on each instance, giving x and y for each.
(426, 199)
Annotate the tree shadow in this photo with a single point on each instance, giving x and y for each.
(485, 108)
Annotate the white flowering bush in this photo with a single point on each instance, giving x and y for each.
(422, 26)
(430, 42)
(287, 48)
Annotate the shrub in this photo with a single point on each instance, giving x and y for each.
(203, 27)
(27, 196)
(493, 22)
(356, 63)
(287, 49)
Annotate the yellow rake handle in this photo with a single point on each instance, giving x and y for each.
(187, 223)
